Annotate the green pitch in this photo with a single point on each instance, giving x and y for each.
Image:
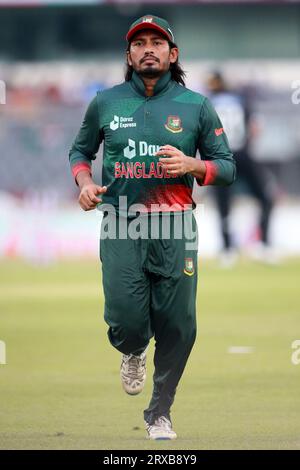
(60, 388)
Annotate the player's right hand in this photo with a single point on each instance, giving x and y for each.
(88, 199)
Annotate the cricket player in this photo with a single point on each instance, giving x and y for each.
(234, 110)
(152, 127)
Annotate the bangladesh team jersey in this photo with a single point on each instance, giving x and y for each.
(134, 126)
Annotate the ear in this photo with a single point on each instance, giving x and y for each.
(129, 58)
(174, 54)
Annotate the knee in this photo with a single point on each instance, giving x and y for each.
(128, 338)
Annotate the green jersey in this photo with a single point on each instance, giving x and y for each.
(134, 126)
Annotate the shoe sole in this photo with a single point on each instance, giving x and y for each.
(132, 393)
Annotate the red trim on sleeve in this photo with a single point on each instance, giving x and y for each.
(80, 167)
(211, 173)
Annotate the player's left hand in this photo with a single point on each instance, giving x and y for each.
(175, 161)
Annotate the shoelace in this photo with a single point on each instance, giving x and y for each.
(134, 365)
(161, 422)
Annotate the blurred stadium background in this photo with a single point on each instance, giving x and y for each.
(54, 54)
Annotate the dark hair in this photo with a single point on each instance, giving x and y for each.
(177, 72)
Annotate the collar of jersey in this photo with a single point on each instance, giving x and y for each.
(162, 84)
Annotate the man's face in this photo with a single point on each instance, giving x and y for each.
(150, 54)
(215, 84)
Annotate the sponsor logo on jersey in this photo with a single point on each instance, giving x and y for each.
(140, 149)
(188, 266)
(173, 124)
(130, 150)
(121, 122)
(147, 19)
(219, 131)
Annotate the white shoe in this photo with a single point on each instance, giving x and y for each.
(133, 373)
(264, 254)
(161, 429)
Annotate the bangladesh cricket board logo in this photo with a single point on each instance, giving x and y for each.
(147, 19)
(188, 267)
(173, 124)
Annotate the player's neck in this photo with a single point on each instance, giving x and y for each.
(149, 85)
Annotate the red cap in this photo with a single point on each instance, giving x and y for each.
(151, 22)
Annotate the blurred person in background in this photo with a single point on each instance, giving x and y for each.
(240, 127)
(152, 126)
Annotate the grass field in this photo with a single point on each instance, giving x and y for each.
(60, 388)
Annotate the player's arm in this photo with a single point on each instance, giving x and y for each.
(217, 166)
(89, 190)
(214, 149)
(81, 155)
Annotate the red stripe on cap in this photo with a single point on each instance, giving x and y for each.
(81, 167)
(146, 25)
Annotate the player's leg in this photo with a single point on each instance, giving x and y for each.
(127, 299)
(173, 315)
(174, 323)
(223, 199)
(247, 168)
(228, 255)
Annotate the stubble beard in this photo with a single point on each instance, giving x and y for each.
(150, 72)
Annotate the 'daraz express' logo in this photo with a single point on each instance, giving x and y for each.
(121, 122)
